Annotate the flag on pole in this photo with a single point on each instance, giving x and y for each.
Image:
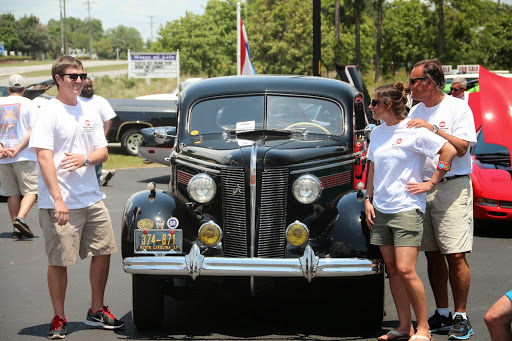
(246, 66)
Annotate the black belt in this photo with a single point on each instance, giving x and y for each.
(446, 178)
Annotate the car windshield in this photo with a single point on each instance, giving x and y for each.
(304, 114)
(483, 148)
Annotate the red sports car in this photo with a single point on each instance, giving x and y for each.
(491, 176)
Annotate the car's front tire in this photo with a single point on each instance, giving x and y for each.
(147, 302)
(131, 140)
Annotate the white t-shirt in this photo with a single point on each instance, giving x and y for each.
(17, 117)
(399, 155)
(454, 117)
(101, 105)
(69, 129)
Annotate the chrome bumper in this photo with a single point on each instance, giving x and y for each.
(307, 266)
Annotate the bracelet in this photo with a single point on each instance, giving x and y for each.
(370, 199)
(443, 165)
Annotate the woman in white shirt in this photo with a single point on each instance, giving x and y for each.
(395, 202)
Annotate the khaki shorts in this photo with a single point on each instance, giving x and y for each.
(87, 233)
(18, 178)
(448, 226)
(398, 229)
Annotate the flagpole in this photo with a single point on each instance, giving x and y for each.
(238, 43)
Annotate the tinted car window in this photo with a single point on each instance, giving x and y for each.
(283, 113)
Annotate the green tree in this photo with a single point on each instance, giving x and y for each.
(103, 48)
(33, 35)
(8, 33)
(125, 38)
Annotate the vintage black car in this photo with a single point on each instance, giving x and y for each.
(266, 191)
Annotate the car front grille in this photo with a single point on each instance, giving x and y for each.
(270, 241)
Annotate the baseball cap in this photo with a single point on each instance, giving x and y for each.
(16, 81)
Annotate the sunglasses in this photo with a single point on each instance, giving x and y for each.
(74, 76)
(455, 89)
(374, 102)
(413, 80)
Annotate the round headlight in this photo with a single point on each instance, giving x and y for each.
(210, 233)
(297, 234)
(307, 189)
(201, 188)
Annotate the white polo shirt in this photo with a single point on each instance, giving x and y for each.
(69, 129)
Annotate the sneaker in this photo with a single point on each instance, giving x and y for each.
(438, 323)
(58, 328)
(461, 329)
(103, 319)
(16, 235)
(23, 228)
(104, 179)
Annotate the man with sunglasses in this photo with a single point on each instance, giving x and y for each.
(68, 139)
(106, 112)
(458, 88)
(448, 224)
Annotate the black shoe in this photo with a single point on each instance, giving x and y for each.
(23, 228)
(461, 329)
(103, 319)
(58, 328)
(438, 323)
(16, 235)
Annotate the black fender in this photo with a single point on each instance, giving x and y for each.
(350, 235)
(157, 206)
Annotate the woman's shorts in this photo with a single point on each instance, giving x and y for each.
(398, 229)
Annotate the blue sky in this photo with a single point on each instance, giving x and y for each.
(133, 13)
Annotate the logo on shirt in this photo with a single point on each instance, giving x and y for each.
(87, 126)
(397, 142)
(442, 124)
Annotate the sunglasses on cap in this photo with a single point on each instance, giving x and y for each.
(455, 89)
(374, 102)
(74, 76)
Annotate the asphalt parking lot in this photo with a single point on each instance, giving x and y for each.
(26, 309)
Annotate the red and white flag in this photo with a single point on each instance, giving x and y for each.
(246, 67)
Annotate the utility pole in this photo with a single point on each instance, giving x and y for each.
(90, 29)
(317, 38)
(151, 23)
(61, 29)
(336, 29)
(65, 34)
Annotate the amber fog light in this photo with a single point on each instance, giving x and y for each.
(201, 188)
(307, 189)
(297, 234)
(210, 233)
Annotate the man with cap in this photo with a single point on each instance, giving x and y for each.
(18, 167)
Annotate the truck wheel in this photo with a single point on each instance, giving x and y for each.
(131, 141)
(147, 302)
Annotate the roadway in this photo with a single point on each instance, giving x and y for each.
(26, 311)
(6, 71)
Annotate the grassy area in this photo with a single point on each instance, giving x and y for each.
(23, 63)
(118, 160)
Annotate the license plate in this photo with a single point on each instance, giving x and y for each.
(158, 241)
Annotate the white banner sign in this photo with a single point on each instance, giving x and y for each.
(468, 68)
(153, 64)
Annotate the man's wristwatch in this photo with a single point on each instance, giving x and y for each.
(86, 161)
(370, 199)
(435, 128)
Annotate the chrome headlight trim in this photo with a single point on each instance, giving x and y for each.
(202, 188)
(209, 224)
(296, 224)
(307, 189)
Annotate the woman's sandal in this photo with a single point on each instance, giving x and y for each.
(421, 337)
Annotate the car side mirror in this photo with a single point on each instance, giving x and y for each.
(368, 130)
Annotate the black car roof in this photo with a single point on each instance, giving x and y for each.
(240, 85)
